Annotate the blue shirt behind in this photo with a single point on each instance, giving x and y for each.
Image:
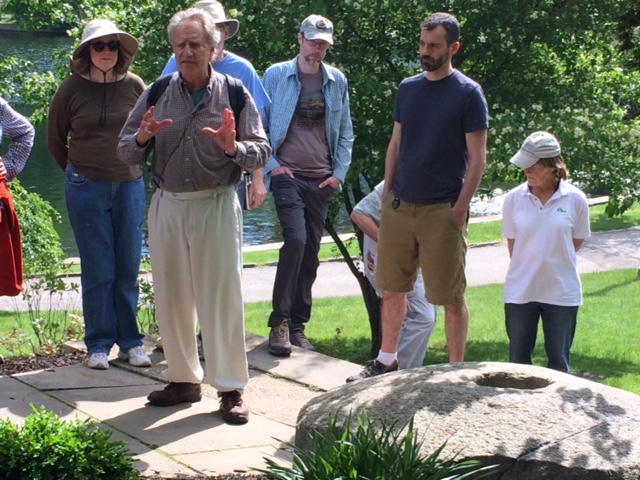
(236, 67)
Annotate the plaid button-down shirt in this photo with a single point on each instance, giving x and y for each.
(21, 132)
(187, 160)
(283, 87)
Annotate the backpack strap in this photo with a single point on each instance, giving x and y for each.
(236, 97)
(157, 89)
(155, 92)
(237, 101)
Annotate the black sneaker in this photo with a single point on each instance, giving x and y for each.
(372, 369)
(299, 339)
(279, 344)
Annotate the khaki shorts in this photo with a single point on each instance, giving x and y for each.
(424, 236)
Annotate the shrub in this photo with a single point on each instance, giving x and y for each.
(44, 288)
(370, 453)
(47, 448)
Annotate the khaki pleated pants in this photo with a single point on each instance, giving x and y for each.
(195, 242)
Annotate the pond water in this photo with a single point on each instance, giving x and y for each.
(42, 175)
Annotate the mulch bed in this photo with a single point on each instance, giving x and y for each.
(32, 363)
(11, 366)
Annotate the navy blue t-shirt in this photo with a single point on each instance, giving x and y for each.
(435, 116)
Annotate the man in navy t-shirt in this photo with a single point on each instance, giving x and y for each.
(434, 164)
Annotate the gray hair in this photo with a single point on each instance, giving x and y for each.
(211, 33)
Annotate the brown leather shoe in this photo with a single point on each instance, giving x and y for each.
(233, 408)
(175, 393)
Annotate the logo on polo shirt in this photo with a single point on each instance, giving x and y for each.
(561, 210)
(371, 262)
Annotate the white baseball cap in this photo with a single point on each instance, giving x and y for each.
(536, 146)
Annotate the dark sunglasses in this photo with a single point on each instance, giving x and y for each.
(113, 46)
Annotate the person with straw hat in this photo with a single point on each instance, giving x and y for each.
(105, 198)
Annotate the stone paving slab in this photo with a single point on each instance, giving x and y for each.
(237, 460)
(184, 428)
(150, 462)
(309, 368)
(16, 397)
(79, 376)
(15, 400)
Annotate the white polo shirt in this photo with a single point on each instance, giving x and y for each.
(543, 266)
(371, 206)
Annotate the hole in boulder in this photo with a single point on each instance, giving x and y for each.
(510, 380)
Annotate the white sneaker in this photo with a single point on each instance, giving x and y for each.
(136, 357)
(98, 361)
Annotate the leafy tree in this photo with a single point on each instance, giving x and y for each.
(560, 65)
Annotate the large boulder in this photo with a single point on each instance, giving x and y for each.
(534, 422)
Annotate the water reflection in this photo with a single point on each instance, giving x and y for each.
(43, 176)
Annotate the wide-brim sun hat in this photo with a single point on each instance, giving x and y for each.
(216, 11)
(101, 28)
(536, 146)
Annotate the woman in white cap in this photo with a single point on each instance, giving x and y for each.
(105, 198)
(545, 221)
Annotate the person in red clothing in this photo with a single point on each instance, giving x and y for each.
(21, 133)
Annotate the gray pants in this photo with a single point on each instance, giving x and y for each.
(420, 318)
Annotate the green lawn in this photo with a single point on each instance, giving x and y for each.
(605, 340)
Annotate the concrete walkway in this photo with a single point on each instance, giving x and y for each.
(193, 439)
(185, 439)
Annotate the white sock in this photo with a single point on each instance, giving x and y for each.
(387, 358)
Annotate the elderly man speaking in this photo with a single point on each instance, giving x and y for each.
(195, 219)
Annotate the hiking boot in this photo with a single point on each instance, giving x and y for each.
(299, 339)
(279, 344)
(175, 393)
(98, 361)
(136, 357)
(373, 369)
(233, 407)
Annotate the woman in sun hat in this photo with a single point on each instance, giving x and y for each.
(105, 197)
(545, 221)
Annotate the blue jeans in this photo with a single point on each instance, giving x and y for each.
(558, 325)
(106, 218)
(302, 208)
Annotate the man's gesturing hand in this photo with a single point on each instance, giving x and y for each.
(149, 126)
(225, 136)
